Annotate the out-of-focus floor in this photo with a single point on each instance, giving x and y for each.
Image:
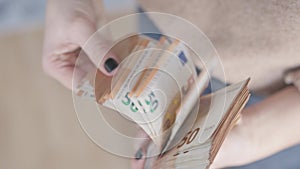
(38, 125)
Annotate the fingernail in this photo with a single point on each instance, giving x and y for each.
(198, 71)
(139, 154)
(110, 65)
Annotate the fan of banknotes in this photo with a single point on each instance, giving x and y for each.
(158, 86)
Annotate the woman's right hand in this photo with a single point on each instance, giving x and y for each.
(69, 24)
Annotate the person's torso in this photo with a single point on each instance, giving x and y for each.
(260, 39)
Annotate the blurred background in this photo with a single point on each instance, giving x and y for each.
(38, 125)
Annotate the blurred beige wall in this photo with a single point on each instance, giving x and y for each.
(38, 125)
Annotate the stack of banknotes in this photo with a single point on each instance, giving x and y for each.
(159, 86)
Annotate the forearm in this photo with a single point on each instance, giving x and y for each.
(273, 124)
(266, 128)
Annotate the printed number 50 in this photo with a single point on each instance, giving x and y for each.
(190, 136)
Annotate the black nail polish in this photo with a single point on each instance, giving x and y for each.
(110, 65)
(198, 71)
(139, 154)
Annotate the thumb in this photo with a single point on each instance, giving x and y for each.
(97, 48)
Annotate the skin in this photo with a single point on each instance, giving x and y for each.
(267, 128)
(259, 39)
(69, 24)
(262, 35)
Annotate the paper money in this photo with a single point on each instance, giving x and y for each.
(155, 86)
(158, 86)
(199, 146)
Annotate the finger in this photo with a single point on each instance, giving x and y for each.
(142, 140)
(139, 161)
(141, 147)
(83, 31)
(98, 50)
(62, 66)
(69, 24)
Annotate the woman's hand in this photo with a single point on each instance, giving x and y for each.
(141, 150)
(69, 24)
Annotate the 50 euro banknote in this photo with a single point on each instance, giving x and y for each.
(218, 113)
(156, 86)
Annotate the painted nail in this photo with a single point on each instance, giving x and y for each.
(198, 71)
(139, 154)
(110, 65)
